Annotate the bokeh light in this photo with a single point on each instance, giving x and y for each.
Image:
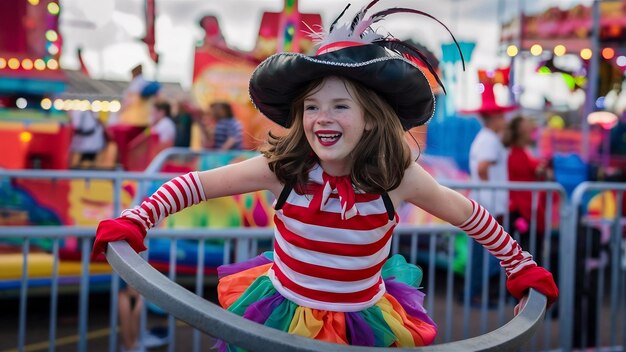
(53, 49)
(586, 54)
(40, 64)
(556, 122)
(96, 106)
(27, 64)
(52, 35)
(52, 64)
(600, 102)
(58, 104)
(608, 53)
(536, 50)
(84, 105)
(21, 103)
(115, 106)
(14, 63)
(53, 8)
(46, 103)
(25, 136)
(512, 50)
(560, 50)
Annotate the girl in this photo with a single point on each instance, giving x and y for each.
(338, 174)
(524, 167)
(227, 134)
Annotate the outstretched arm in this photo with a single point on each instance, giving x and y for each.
(419, 188)
(182, 192)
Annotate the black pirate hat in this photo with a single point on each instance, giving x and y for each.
(355, 51)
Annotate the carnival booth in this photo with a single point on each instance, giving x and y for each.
(221, 73)
(129, 146)
(30, 46)
(560, 77)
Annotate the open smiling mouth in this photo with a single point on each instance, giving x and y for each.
(328, 139)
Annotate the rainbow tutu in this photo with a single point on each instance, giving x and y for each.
(398, 319)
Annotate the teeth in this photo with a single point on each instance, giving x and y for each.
(328, 138)
(328, 135)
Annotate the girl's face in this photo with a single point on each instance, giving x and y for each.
(333, 123)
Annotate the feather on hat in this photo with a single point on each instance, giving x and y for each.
(355, 51)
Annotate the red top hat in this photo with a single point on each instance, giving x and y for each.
(489, 104)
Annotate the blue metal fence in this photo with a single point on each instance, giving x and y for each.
(604, 325)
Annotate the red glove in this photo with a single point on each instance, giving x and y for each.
(130, 230)
(533, 277)
(176, 194)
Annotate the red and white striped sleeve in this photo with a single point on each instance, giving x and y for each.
(175, 195)
(482, 227)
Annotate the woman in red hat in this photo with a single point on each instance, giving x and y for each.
(338, 175)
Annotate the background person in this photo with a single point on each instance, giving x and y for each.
(522, 166)
(88, 139)
(183, 119)
(162, 124)
(225, 131)
(488, 163)
(130, 305)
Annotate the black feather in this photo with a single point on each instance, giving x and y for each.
(357, 18)
(382, 14)
(369, 6)
(406, 49)
(361, 15)
(332, 26)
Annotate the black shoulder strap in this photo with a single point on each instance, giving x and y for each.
(391, 212)
(282, 198)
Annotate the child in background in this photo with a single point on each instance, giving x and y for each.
(338, 175)
(524, 167)
(226, 134)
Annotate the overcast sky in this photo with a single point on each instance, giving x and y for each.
(109, 31)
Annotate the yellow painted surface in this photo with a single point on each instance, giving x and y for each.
(40, 265)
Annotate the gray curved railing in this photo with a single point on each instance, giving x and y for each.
(215, 321)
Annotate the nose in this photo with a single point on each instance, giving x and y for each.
(323, 117)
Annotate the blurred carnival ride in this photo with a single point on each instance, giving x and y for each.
(37, 97)
(30, 47)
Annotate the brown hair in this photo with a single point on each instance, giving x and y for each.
(380, 158)
(165, 107)
(221, 110)
(512, 134)
(137, 70)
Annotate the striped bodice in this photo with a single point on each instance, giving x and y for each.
(323, 260)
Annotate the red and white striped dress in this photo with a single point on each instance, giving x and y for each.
(325, 259)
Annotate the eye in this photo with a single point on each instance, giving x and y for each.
(342, 106)
(310, 107)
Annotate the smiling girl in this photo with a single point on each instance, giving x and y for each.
(338, 175)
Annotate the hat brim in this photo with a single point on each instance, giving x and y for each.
(492, 109)
(279, 79)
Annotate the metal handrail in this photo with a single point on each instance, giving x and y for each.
(215, 321)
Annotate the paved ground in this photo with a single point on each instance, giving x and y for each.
(67, 325)
(98, 330)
